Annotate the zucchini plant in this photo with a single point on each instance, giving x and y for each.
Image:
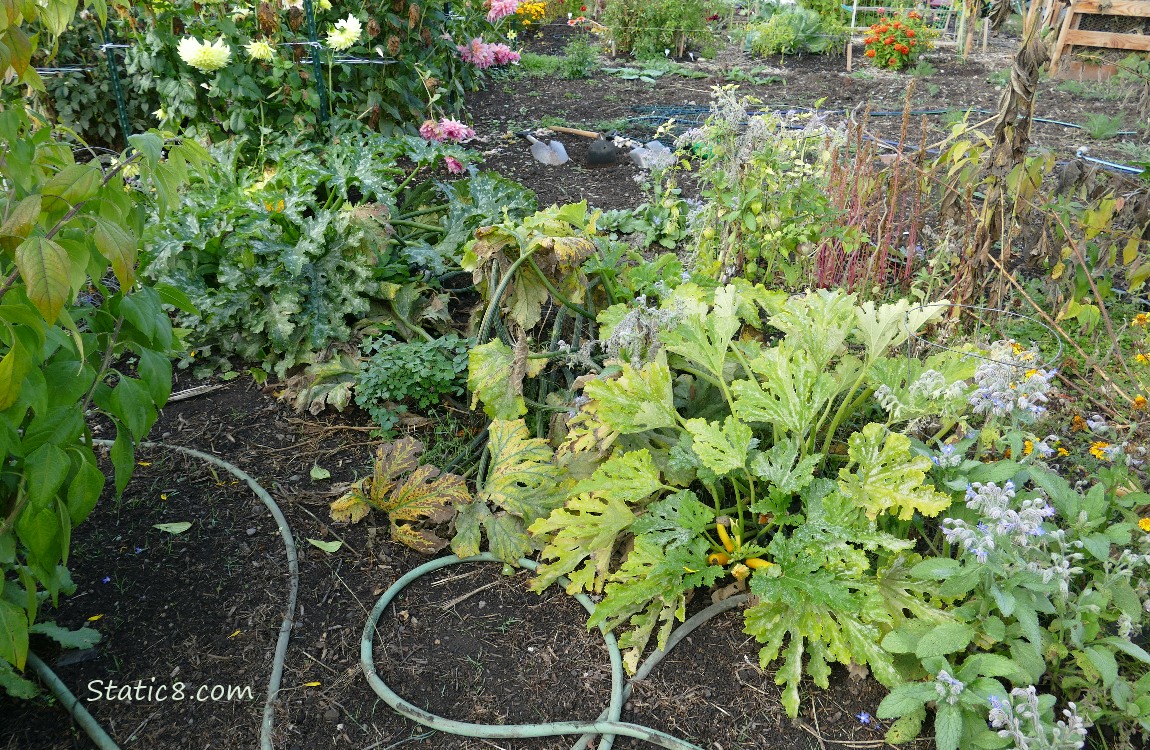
(716, 443)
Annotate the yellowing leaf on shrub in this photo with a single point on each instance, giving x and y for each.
(887, 478)
(45, 268)
(425, 496)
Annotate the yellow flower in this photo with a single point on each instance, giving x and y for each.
(1078, 425)
(1139, 402)
(1140, 320)
(1027, 447)
(1098, 450)
(1141, 358)
(260, 50)
(1016, 347)
(1063, 452)
(1031, 373)
(345, 34)
(204, 57)
(1144, 524)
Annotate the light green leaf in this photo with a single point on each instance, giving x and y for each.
(637, 400)
(1104, 661)
(85, 637)
(888, 326)
(947, 638)
(45, 268)
(906, 700)
(318, 473)
(582, 535)
(778, 467)
(328, 547)
(628, 477)
(490, 382)
(705, 339)
(791, 392)
(947, 726)
(13, 634)
(176, 527)
(722, 448)
(818, 324)
(887, 477)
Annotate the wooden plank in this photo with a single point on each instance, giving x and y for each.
(1136, 8)
(1069, 21)
(1137, 42)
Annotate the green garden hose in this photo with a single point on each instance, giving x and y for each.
(71, 703)
(293, 569)
(608, 725)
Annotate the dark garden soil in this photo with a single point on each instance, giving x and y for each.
(204, 607)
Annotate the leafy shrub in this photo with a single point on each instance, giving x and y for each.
(766, 189)
(1102, 127)
(419, 68)
(898, 43)
(656, 28)
(791, 29)
(580, 59)
(394, 375)
(82, 338)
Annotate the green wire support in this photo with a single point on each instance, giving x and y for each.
(117, 90)
(317, 68)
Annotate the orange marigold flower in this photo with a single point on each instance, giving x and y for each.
(897, 24)
(1078, 424)
(1139, 402)
(894, 62)
(870, 53)
(888, 41)
(910, 33)
(912, 42)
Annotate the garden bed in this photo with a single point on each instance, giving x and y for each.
(203, 606)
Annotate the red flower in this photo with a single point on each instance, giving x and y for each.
(897, 24)
(583, 9)
(912, 42)
(894, 62)
(910, 33)
(913, 14)
(870, 53)
(888, 41)
(903, 49)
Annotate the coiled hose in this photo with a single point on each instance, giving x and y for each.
(607, 725)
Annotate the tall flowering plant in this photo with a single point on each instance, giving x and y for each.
(897, 43)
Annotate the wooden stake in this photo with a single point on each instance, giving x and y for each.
(985, 33)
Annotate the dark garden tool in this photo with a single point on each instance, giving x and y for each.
(601, 150)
